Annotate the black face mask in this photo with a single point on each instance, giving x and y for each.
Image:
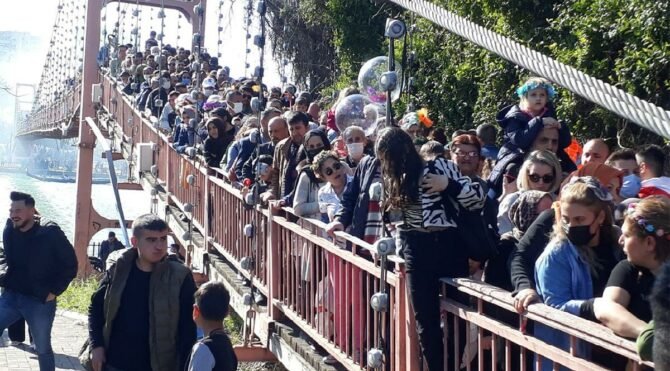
(579, 235)
(311, 153)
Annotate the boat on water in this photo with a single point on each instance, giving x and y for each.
(63, 176)
(12, 168)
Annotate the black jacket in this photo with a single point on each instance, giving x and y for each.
(248, 169)
(355, 199)
(52, 263)
(215, 149)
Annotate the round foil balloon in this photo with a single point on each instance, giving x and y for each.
(368, 79)
(357, 110)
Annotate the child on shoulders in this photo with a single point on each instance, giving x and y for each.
(521, 123)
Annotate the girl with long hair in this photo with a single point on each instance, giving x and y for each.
(575, 266)
(425, 221)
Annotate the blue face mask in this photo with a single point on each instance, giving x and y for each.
(186, 82)
(631, 186)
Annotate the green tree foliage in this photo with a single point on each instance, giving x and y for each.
(623, 42)
(326, 41)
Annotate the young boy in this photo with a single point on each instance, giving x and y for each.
(214, 351)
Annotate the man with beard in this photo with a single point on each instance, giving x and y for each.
(37, 264)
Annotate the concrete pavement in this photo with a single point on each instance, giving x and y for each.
(67, 335)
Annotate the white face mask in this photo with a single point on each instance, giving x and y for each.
(237, 107)
(355, 150)
(166, 85)
(208, 92)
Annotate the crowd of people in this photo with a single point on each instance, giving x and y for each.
(582, 229)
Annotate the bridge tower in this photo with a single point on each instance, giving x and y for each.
(87, 220)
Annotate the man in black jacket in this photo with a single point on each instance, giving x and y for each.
(37, 265)
(108, 246)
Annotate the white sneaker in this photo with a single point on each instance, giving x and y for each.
(15, 343)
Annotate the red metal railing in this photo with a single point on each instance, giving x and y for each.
(496, 344)
(325, 290)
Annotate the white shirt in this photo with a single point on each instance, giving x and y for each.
(329, 200)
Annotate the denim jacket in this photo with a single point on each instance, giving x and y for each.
(563, 281)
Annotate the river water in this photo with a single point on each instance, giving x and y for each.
(56, 201)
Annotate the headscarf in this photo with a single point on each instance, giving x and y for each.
(602, 172)
(324, 138)
(594, 185)
(307, 158)
(523, 211)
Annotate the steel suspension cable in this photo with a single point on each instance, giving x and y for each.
(219, 43)
(136, 30)
(643, 113)
(160, 37)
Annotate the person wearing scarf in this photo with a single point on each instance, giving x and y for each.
(217, 141)
(305, 194)
(523, 212)
(610, 177)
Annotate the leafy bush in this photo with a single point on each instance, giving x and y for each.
(77, 297)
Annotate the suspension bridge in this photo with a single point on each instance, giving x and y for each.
(79, 97)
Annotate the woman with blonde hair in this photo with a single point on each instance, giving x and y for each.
(575, 266)
(541, 171)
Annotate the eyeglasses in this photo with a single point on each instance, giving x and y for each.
(329, 171)
(471, 154)
(546, 179)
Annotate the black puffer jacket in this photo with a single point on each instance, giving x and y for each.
(52, 263)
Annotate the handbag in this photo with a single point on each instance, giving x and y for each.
(479, 238)
(85, 356)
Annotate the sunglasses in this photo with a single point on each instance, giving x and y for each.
(546, 179)
(329, 171)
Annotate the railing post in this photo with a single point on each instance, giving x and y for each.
(407, 352)
(206, 205)
(272, 271)
(83, 227)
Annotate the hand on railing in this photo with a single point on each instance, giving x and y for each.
(525, 298)
(333, 227)
(277, 205)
